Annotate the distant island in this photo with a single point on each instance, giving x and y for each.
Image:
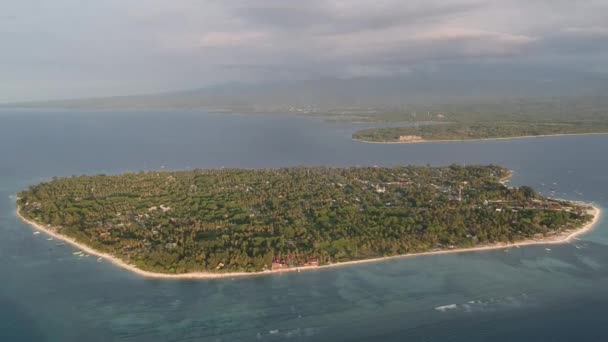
(227, 222)
(475, 131)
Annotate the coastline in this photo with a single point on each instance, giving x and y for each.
(563, 238)
(480, 139)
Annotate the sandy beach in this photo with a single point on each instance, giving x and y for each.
(564, 237)
(484, 139)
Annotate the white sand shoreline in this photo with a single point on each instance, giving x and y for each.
(563, 238)
(481, 139)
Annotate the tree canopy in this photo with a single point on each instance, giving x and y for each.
(230, 220)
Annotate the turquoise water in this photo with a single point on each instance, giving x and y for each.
(525, 294)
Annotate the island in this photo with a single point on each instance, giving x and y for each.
(463, 131)
(227, 222)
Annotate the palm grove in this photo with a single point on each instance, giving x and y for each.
(232, 220)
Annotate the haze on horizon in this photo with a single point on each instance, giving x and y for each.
(70, 49)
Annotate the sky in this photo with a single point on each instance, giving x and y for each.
(52, 49)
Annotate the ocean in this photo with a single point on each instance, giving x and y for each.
(517, 294)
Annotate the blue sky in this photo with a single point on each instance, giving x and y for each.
(74, 48)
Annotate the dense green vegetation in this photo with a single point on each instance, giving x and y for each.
(468, 131)
(242, 220)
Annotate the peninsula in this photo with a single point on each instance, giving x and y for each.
(228, 222)
(464, 131)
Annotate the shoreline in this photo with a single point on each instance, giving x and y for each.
(479, 139)
(563, 238)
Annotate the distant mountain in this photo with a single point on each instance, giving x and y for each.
(454, 83)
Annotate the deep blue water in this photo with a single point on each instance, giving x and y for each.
(526, 294)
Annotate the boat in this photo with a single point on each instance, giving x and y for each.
(36, 233)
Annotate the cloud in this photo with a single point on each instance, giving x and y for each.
(456, 33)
(138, 45)
(213, 39)
(576, 43)
(315, 16)
(587, 31)
(227, 39)
(404, 45)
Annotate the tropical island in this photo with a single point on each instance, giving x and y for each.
(462, 131)
(206, 223)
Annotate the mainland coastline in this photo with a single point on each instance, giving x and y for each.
(561, 238)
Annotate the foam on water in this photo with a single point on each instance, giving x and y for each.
(445, 308)
(291, 333)
(490, 304)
